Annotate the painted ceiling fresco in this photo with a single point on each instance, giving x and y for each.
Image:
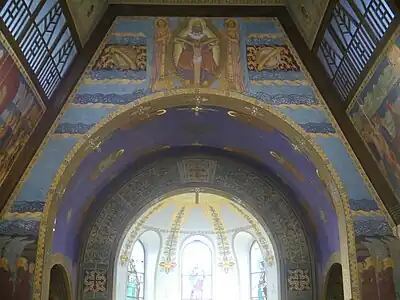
(86, 14)
(375, 112)
(213, 75)
(21, 108)
(307, 14)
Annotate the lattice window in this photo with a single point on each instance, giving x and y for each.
(42, 33)
(136, 273)
(356, 28)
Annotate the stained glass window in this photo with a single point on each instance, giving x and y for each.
(355, 29)
(136, 273)
(196, 272)
(41, 31)
(258, 273)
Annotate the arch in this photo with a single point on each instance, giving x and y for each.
(253, 192)
(334, 283)
(60, 288)
(263, 114)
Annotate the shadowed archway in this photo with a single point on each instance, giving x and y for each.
(60, 288)
(334, 283)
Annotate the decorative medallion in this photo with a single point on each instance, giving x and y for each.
(95, 281)
(197, 170)
(299, 280)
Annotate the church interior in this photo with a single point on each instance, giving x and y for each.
(200, 150)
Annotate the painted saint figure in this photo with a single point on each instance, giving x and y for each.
(133, 290)
(234, 69)
(159, 79)
(262, 283)
(197, 279)
(196, 63)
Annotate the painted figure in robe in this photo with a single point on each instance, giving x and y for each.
(160, 79)
(197, 278)
(234, 68)
(262, 283)
(369, 287)
(386, 285)
(378, 118)
(133, 290)
(196, 63)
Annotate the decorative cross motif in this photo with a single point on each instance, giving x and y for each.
(140, 111)
(254, 111)
(298, 280)
(95, 281)
(226, 264)
(168, 264)
(198, 100)
(95, 143)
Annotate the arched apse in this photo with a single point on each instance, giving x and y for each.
(60, 287)
(334, 283)
(248, 190)
(106, 100)
(190, 217)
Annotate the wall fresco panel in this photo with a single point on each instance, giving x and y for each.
(20, 108)
(375, 112)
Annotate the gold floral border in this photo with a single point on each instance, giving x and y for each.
(35, 92)
(316, 154)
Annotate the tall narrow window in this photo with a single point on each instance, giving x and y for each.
(196, 272)
(136, 273)
(258, 274)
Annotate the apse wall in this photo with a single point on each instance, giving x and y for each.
(216, 226)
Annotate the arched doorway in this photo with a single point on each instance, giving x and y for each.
(59, 284)
(334, 283)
